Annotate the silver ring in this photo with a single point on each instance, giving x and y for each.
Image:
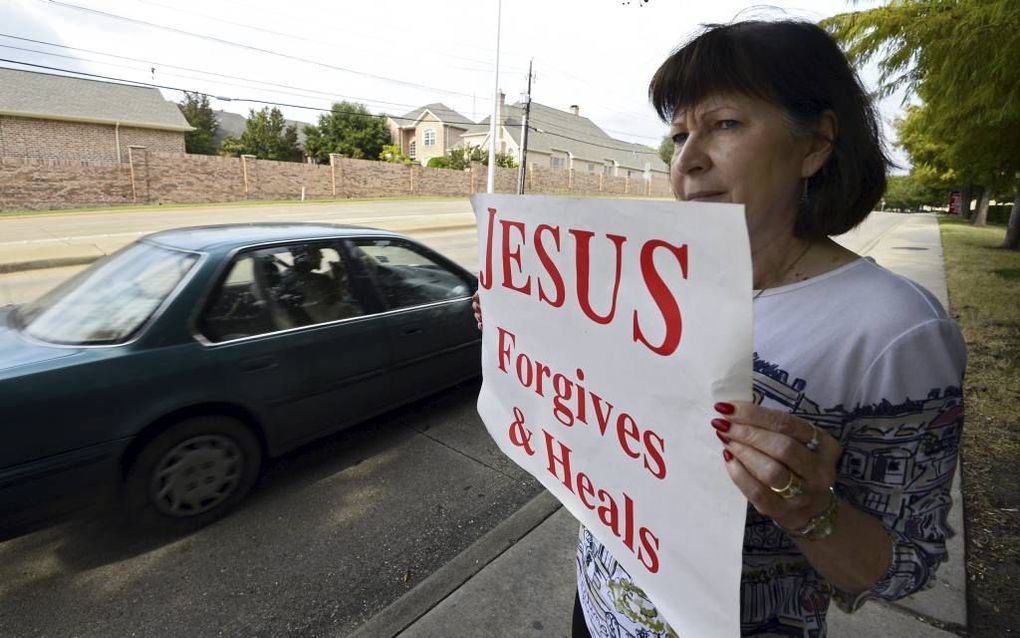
(814, 442)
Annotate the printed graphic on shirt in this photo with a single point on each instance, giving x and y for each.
(897, 463)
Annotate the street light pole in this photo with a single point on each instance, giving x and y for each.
(491, 188)
(522, 171)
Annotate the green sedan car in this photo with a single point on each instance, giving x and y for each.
(171, 369)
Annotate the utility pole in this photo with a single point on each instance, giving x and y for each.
(493, 124)
(522, 171)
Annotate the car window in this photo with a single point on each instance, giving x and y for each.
(236, 309)
(111, 300)
(405, 275)
(279, 288)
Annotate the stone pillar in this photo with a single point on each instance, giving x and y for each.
(139, 172)
(248, 181)
(334, 159)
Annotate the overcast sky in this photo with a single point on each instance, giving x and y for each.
(392, 55)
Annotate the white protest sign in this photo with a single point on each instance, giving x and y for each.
(611, 328)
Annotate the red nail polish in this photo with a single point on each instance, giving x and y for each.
(727, 455)
(721, 424)
(722, 438)
(725, 408)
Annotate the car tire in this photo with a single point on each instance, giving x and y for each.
(192, 474)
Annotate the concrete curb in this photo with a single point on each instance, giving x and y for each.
(80, 260)
(404, 611)
(44, 264)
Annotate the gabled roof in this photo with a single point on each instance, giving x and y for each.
(57, 97)
(555, 130)
(443, 113)
(233, 125)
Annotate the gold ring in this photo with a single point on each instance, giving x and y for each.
(814, 442)
(791, 489)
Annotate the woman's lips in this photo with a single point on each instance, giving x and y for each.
(706, 196)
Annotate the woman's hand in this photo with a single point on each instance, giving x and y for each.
(476, 306)
(769, 450)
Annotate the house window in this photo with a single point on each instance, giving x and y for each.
(556, 162)
(430, 137)
(411, 150)
(607, 169)
(591, 168)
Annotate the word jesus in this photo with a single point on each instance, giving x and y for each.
(549, 283)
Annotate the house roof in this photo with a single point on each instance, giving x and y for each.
(555, 130)
(445, 114)
(233, 125)
(57, 97)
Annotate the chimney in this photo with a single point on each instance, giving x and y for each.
(576, 110)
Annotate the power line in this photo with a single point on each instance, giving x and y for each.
(255, 48)
(251, 80)
(299, 106)
(305, 92)
(244, 25)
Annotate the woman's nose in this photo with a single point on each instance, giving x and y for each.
(691, 157)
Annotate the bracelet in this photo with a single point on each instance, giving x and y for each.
(820, 526)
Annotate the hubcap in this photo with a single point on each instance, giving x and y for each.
(196, 475)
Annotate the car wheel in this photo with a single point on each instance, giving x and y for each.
(192, 473)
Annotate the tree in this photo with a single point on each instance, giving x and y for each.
(666, 150)
(918, 189)
(391, 153)
(266, 136)
(959, 58)
(199, 114)
(503, 160)
(348, 129)
(461, 158)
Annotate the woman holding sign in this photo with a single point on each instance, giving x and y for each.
(847, 453)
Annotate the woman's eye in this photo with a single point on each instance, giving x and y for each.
(728, 124)
(679, 139)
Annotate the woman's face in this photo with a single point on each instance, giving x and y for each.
(738, 149)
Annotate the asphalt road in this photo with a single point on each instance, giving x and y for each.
(333, 533)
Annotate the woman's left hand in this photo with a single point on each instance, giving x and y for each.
(768, 450)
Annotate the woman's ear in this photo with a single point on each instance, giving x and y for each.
(822, 142)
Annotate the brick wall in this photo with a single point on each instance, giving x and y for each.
(40, 184)
(54, 139)
(155, 177)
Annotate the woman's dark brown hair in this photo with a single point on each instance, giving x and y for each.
(798, 67)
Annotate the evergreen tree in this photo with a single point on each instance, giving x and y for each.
(266, 136)
(199, 114)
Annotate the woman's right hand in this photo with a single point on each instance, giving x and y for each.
(476, 306)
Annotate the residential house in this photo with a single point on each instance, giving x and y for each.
(59, 117)
(429, 131)
(567, 140)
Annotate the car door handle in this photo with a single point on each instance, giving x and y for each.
(258, 363)
(412, 330)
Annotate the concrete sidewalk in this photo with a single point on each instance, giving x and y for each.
(518, 580)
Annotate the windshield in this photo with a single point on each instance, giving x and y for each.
(108, 302)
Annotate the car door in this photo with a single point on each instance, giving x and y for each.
(435, 340)
(293, 336)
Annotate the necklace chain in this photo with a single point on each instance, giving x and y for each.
(785, 271)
